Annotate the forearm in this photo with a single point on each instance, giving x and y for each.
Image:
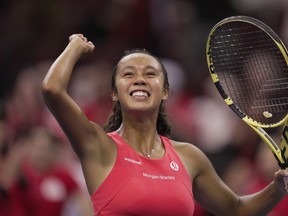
(59, 74)
(261, 203)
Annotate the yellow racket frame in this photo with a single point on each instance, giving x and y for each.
(280, 153)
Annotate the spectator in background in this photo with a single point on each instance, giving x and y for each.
(24, 106)
(228, 136)
(4, 176)
(180, 102)
(37, 182)
(88, 87)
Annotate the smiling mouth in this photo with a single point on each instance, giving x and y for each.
(140, 94)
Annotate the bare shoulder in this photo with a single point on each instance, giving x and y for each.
(185, 149)
(192, 157)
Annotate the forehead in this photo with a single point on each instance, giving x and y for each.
(139, 60)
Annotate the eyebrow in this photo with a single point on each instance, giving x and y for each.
(145, 67)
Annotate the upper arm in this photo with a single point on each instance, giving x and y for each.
(211, 192)
(208, 189)
(85, 137)
(95, 149)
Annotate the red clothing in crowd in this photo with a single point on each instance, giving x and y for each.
(34, 194)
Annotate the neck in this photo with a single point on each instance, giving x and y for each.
(143, 140)
(140, 124)
(140, 133)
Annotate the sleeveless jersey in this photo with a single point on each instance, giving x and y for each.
(138, 185)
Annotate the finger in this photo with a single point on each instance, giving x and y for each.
(84, 39)
(72, 37)
(81, 36)
(91, 44)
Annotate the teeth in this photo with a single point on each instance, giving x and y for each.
(140, 93)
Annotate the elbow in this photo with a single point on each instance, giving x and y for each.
(47, 89)
(241, 208)
(50, 90)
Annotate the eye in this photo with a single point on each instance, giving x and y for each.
(150, 74)
(128, 74)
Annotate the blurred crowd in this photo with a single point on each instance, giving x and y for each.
(38, 170)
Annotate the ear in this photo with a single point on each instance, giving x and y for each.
(114, 96)
(165, 94)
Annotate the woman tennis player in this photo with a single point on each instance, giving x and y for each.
(132, 167)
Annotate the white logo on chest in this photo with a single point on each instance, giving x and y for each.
(174, 166)
(133, 161)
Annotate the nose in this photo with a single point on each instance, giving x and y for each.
(139, 80)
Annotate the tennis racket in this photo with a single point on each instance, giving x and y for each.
(248, 62)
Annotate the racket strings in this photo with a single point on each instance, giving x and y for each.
(249, 64)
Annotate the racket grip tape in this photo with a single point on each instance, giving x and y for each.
(284, 147)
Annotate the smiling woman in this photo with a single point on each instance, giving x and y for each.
(150, 71)
(132, 167)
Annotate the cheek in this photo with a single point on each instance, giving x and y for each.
(120, 88)
(118, 85)
(159, 86)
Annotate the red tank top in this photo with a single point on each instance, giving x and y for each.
(140, 186)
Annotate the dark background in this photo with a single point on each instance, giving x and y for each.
(32, 31)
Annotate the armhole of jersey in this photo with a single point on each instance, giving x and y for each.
(168, 144)
(114, 138)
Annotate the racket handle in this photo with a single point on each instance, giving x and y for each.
(284, 147)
